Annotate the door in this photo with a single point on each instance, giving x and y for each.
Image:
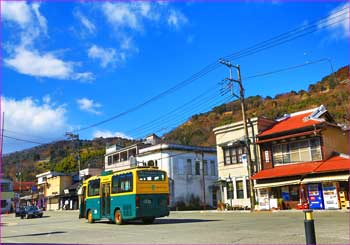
(83, 203)
(105, 200)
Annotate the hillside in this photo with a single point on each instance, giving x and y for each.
(333, 94)
(61, 156)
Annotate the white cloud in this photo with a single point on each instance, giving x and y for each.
(105, 55)
(109, 134)
(28, 119)
(85, 22)
(31, 62)
(41, 19)
(18, 12)
(338, 21)
(47, 99)
(88, 105)
(176, 18)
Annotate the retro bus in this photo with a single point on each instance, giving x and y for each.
(136, 193)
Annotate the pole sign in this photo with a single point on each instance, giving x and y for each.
(244, 160)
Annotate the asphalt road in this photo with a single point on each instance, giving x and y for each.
(281, 227)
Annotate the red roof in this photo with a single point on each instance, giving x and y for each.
(291, 123)
(336, 163)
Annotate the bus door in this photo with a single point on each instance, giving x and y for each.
(83, 203)
(105, 200)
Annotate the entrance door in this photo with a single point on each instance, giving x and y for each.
(105, 200)
(83, 204)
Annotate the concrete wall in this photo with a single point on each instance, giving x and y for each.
(57, 184)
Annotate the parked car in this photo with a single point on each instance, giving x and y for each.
(19, 211)
(31, 212)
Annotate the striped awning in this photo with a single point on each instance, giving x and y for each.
(343, 177)
(277, 184)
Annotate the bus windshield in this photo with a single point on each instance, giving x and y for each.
(151, 175)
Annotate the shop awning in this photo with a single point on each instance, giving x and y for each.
(343, 177)
(277, 184)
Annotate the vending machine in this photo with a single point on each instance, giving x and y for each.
(314, 192)
(330, 195)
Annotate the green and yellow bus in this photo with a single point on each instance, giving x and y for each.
(131, 194)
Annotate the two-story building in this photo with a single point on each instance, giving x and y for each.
(192, 170)
(304, 162)
(233, 174)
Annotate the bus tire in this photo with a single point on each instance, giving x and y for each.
(148, 220)
(90, 219)
(118, 219)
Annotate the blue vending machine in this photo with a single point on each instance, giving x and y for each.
(314, 192)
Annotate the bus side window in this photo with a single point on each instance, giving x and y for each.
(122, 183)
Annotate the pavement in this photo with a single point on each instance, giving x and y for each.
(181, 227)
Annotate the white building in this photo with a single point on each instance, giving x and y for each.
(192, 170)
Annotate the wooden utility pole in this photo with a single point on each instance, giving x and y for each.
(246, 140)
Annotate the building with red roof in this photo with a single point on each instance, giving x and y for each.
(302, 164)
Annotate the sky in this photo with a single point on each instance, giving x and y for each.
(130, 69)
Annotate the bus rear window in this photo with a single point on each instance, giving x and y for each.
(151, 176)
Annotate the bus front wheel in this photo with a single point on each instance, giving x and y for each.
(90, 219)
(118, 217)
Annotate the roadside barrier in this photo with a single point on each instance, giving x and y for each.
(309, 227)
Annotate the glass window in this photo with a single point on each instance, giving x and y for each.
(212, 168)
(3, 203)
(315, 149)
(115, 158)
(233, 155)
(239, 187)
(122, 183)
(198, 168)
(189, 167)
(181, 167)
(109, 160)
(153, 175)
(94, 187)
(5, 187)
(205, 167)
(229, 190)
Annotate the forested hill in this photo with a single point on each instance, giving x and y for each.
(61, 156)
(332, 92)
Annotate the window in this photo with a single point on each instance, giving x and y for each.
(205, 167)
(151, 175)
(122, 183)
(239, 187)
(233, 155)
(189, 167)
(212, 168)
(94, 187)
(3, 203)
(181, 167)
(297, 151)
(229, 190)
(115, 158)
(5, 187)
(198, 168)
(109, 160)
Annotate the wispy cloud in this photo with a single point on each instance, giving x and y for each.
(89, 105)
(106, 56)
(109, 134)
(338, 22)
(24, 57)
(176, 19)
(88, 24)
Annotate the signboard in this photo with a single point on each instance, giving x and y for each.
(244, 160)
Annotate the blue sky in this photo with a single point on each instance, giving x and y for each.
(68, 65)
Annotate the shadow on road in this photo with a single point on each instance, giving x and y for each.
(38, 234)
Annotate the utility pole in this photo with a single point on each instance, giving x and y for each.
(203, 178)
(73, 137)
(246, 140)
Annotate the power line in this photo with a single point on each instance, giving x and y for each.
(25, 140)
(249, 51)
